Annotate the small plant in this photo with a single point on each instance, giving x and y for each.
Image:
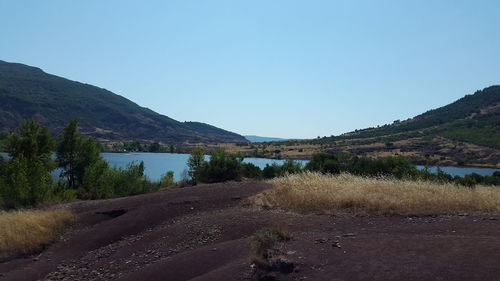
(268, 256)
(167, 180)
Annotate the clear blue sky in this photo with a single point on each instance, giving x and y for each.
(273, 68)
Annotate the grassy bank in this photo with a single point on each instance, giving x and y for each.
(356, 195)
(23, 232)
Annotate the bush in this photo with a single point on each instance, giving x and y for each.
(249, 170)
(167, 180)
(101, 181)
(396, 166)
(221, 167)
(271, 171)
(275, 170)
(268, 256)
(266, 239)
(290, 167)
(97, 181)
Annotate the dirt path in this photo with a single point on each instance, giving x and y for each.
(201, 233)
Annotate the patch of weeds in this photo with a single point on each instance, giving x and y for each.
(268, 256)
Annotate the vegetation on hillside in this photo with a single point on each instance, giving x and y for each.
(473, 118)
(29, 93)
(137, 146)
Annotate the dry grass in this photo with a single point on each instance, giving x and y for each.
(23, 232)
(347, 194)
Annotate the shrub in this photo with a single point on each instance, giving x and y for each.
(396, 166)
(98, 181)
(268, 255)
(271, 171)
(249, 170)
(290, 167)
(101, 181)
(221, 167)
(167, 180)
(275, 170)
(267, 239)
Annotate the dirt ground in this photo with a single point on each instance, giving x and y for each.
(202, 233)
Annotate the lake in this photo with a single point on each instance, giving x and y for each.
(157, 164)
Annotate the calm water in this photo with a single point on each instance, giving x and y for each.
(157, 164)
(462, 171)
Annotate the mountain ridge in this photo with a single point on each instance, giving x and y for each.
(29, 93)
(254, 138)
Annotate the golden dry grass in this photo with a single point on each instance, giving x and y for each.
(23, 232)
(348, 194)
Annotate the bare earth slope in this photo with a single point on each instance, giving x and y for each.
(201, 233)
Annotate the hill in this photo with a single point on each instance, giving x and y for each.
(473, 118)
(465, 132)
(262, 139)
(29, 93)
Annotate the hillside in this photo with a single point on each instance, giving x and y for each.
(473, 118)
(464, 133)
(27, 92)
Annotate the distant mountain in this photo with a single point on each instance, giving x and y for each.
(474, 119)
(29, 93)
(262, 139)
(220, 134)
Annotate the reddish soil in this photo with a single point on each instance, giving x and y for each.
(202, 233)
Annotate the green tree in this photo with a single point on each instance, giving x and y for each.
(195, 161)
(98, 181)
(88, 154)
(33, 142)
(154, 147)
(75, 153)
(26, 177)
(67, 151)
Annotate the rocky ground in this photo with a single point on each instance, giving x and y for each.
(202, 233)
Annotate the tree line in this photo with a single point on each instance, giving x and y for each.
(223, 166)
(26, 177)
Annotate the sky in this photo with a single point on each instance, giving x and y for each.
(283, 68)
